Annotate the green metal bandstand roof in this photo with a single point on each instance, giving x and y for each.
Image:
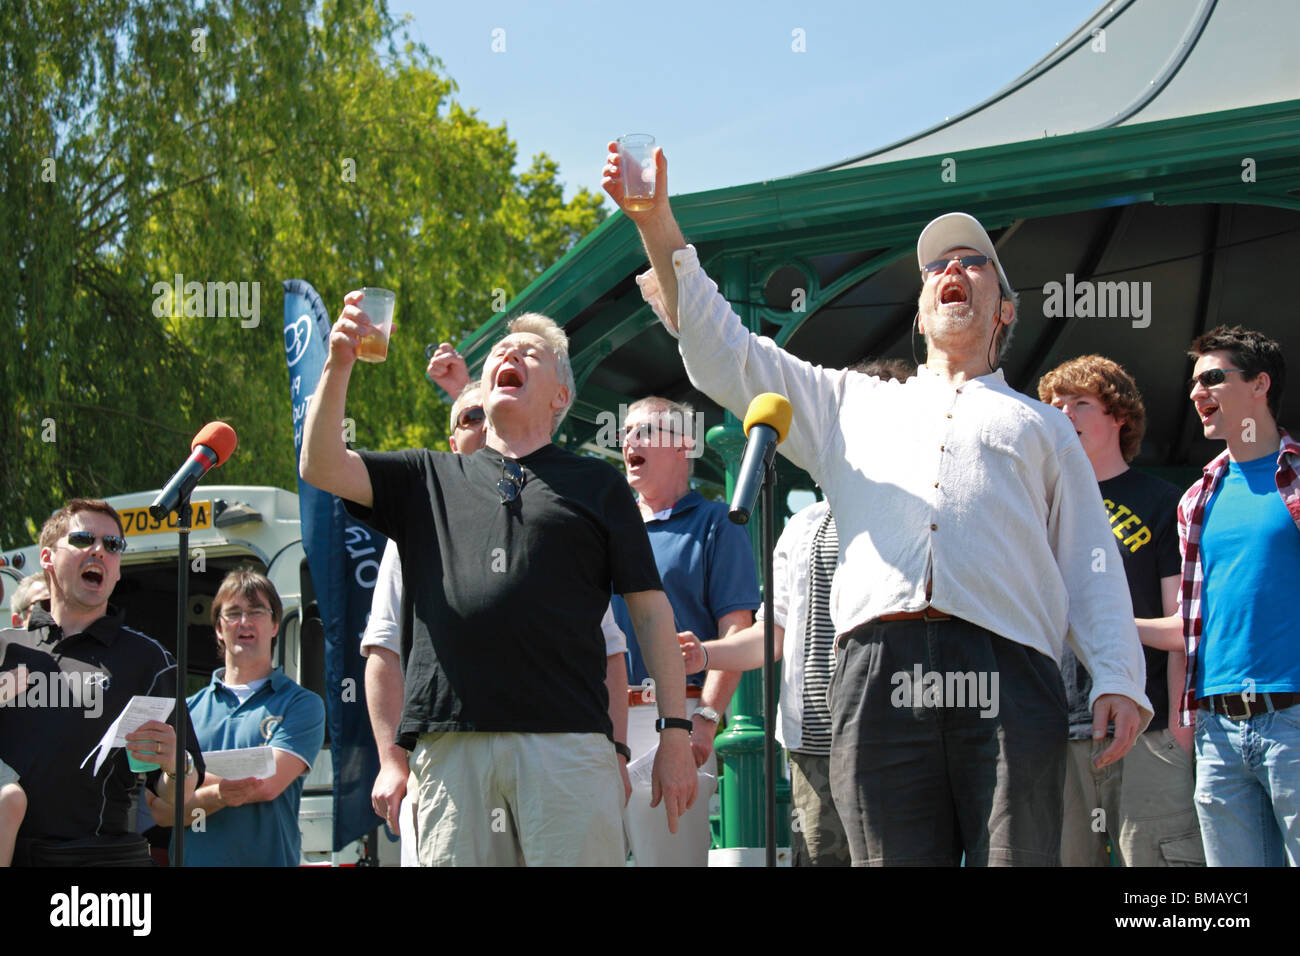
(1202, 205)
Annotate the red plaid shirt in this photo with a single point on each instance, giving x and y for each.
(1191, 518)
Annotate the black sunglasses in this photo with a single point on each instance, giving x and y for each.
(512, 481)
(470, 416)
(84, 539)
(1211, 376)
(967, 262)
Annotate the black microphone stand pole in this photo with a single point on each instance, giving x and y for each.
(769, 664)
(182, 669)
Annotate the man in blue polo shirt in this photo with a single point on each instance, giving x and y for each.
(250, 822)
(707, 566)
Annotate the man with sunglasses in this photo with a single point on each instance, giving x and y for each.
(1239, 526)
(509, 557)
(381, 641)
(78, 815)
(974, 545)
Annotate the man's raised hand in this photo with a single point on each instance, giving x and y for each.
(447, 370)
(612, 181)
(352, 326)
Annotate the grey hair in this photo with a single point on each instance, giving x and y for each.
(546, 328)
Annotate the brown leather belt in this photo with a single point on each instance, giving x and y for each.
(638, 696)
(927, 614)
(1241, 706)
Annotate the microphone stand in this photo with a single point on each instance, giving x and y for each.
(769, 664)
(182, 669)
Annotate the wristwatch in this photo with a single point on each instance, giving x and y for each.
(189, 766)
(709, 714)
(673, 723)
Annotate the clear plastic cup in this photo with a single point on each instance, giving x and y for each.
(636, 159)
(378, 305)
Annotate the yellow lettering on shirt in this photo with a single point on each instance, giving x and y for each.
(1140, 534)
(1138, 538)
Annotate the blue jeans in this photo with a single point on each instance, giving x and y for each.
(1248, 788)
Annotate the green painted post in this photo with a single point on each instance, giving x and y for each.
(740, 746)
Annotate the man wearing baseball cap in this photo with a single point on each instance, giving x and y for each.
(974, 545)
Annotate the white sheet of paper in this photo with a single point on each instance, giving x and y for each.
(138, 710)
(256, 762)
(640, 770)
(641, 774)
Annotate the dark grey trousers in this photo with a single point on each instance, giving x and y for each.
(947, 740)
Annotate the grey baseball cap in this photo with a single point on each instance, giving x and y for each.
(957, 230)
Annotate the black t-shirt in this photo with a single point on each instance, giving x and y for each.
(84, 682)
(1143, 516)
(507, 599)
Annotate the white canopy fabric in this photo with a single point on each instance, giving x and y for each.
(1133, 61)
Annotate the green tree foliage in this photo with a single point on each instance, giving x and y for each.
(233, 142)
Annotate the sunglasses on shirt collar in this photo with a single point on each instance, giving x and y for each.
(113, 544)
(511, 482)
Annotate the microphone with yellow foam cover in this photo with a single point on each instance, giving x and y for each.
(767, 422)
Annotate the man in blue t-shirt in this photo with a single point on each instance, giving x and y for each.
(250, 821)
(707, 566)
(1240, 531)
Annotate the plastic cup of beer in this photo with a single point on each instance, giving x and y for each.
(636, 158)
(377, 304)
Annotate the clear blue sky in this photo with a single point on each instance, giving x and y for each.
(717, 82)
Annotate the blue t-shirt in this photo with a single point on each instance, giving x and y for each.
(1250, 549)
(279, 714)
(707, 566)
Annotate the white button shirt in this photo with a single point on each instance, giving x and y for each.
(983, 490)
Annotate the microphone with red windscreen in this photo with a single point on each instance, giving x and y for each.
(214, 443)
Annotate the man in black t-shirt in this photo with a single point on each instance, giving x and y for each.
(1144, 802)
(509, 556)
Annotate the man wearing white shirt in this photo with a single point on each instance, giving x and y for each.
(803, 567)
(974, 544)
(384, 683)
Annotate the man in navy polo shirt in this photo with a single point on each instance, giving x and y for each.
(707, 566)
(250, 822)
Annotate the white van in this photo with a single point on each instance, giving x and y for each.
(232, 526)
